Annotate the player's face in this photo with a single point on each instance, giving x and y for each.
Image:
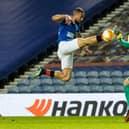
(78, 16)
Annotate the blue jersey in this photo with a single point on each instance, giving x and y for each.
(67, 32)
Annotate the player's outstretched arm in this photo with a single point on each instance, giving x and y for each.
(60, 17)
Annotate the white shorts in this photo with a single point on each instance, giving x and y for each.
(65, 53)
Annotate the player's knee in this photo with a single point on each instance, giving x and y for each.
(126, 82)
(67, 78)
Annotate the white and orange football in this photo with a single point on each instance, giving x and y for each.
(108, 35)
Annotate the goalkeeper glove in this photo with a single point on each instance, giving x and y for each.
(118, 33)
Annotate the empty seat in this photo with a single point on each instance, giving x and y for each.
(119, 88)
(81, 81)
(71, 89)
(98, 52)
(96, 88)
(112, 51)
(116, 74)
(93, 81)
(73, 74)
(108, 88)
(25, 82)
(24, 89)
(92, 74)
(126, 74)
(60, 89)
(104, 73)
(13, 89)
(48, 89)
(35, 82)
(46, 81)
(80, 74)
(36, 89)
(117, 81)
(84, 89)
(105, 80)
(58, 82)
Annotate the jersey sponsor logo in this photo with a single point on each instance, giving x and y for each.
(70, 35)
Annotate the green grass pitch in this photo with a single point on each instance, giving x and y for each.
(63, 123)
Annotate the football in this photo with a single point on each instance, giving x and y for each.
(108, 35)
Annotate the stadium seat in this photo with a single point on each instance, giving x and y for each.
(93, 74)
(93, 81)
(126, 74)
(24, 89)
(36, 89)
(112, 51)
(116, 74)
(25, 82)
(104, 74)
(80, 74)
(117, 81)
(119, 88)
(13, 89)
(46, 81)
(84, 89)
(98, 52)
(81, 81)
(48, 89)
(60, 89)
(71, 89)
(36, 82)
(73, 74)
(108, 88)
(58, 82)
(96, 88)
(105, 80)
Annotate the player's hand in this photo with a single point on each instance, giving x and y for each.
(68, 19)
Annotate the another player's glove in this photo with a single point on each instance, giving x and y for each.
(119, 36)
(118, 33)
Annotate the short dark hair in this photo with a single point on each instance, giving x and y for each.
(79, 9)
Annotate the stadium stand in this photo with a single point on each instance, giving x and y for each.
(86, 79)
